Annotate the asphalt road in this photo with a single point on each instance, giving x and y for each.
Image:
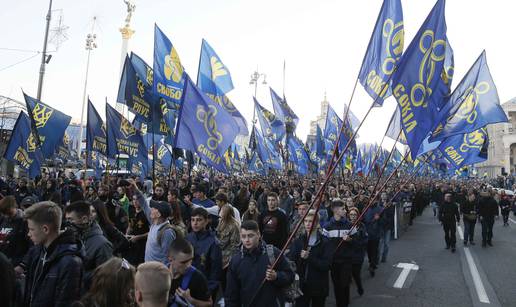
(433, 276)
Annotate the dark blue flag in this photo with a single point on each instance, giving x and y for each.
(267, 152)
(214, 79)
(298, 155)
(465, 149)
(319, 143)
(256, 165)
(358, 164)
(23, 148)
(418, 75)
(95, 132)
(383, 52)
(124, 138)
(204, 126)
(473, 104)
(168, 77)
(333, 127)
(284, 112)
(49, 125)
(272, 127)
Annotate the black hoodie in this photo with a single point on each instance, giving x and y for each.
(54, 274)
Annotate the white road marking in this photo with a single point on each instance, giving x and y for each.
(406, 268)
(477, 281)
(461, 234)
(512, 221)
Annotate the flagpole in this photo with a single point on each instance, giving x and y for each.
(375, 157)
(44, 53)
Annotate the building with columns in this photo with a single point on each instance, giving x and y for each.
(501, 157)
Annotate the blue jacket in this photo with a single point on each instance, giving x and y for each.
(373, 226)
(247, 271)
(54, 274)
(344, 251)
(207, 256)
(313, 271)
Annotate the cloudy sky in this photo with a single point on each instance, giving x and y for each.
(322, 42)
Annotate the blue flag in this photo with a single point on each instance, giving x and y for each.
(442, 91)
(214, 79)
(319, 143)
(267, 152)
(395, 127)
(95, 132)
(204, 126)
(168, 73)
(333, 127)
(23, 148)
(49, 125)
(272, 127)
(384, 51)
(124, 138)
(358, 164)
(256, 165)
(94, 160)
(298, 155)
(284, 112)
(465, 149)
(473, 104)
(418, 75)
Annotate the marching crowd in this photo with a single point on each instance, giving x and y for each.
(208, 240)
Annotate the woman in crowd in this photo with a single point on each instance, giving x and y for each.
(112, 285)
(228, 233)
(359, 245)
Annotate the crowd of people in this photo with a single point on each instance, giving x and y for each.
(208, 240)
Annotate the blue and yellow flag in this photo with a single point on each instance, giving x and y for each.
(214, 79)
(359, 165)
(204, 126)
(267, 152)
(124, 138)
(272, 127)
(256, 165)
(465, 149)
(333, 127)
(48, 123)
(473, 104)
(284, 112)
(22, 148)
(95, 132)
(298, 155)
(418, 75)
(168, 73)
(383, 52)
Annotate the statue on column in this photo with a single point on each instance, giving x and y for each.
(130, 9)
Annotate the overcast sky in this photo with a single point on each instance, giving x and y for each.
(322, 42)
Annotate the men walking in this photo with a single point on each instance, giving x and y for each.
(487, 210)
(448, 214)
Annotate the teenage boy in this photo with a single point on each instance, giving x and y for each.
(152, 284)
(274, 223)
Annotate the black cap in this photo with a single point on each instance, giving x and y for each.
(28, 201)
(162, 206)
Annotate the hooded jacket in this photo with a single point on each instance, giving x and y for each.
(98, 250)
(54, 274)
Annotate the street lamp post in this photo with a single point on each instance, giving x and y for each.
(255, 77)
(44, 59)
(90, 45)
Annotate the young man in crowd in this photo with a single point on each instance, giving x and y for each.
(449, 215)
(273, 223)
(152, 284)
(14, 242)
(161, 233)
(249, 267)
(189, 285)
(54, 266)
(97, 246)
(207, 252)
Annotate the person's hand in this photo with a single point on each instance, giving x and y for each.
(18, 270)
(305, 254)
(346, 238)
(376, 216)
(133, 239)
(184, 294)
(271, 275)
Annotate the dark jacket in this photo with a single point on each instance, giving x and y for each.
(54, 274)
(359, 244)
(313, 271)
(246, 272)
(449, 212)
(14, 242)
(207, 256)
(469, 208)
(374, 227)
(487, 207)
(387, 218)
(505, 205)
(98, 250)
(344, 251)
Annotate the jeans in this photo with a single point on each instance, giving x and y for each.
(469, 230)
(449, 234)
(487, 229)
(385, 238)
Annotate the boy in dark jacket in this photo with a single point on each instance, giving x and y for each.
(448, 214)
(249, 267)
(54, 265)
(207, 252)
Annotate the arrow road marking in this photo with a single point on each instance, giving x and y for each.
(406, 268)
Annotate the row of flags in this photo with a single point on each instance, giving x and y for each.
(171, 113)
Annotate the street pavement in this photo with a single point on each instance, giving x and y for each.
(430, 275)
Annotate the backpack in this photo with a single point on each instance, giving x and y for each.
(293, 291)
(176, 232)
